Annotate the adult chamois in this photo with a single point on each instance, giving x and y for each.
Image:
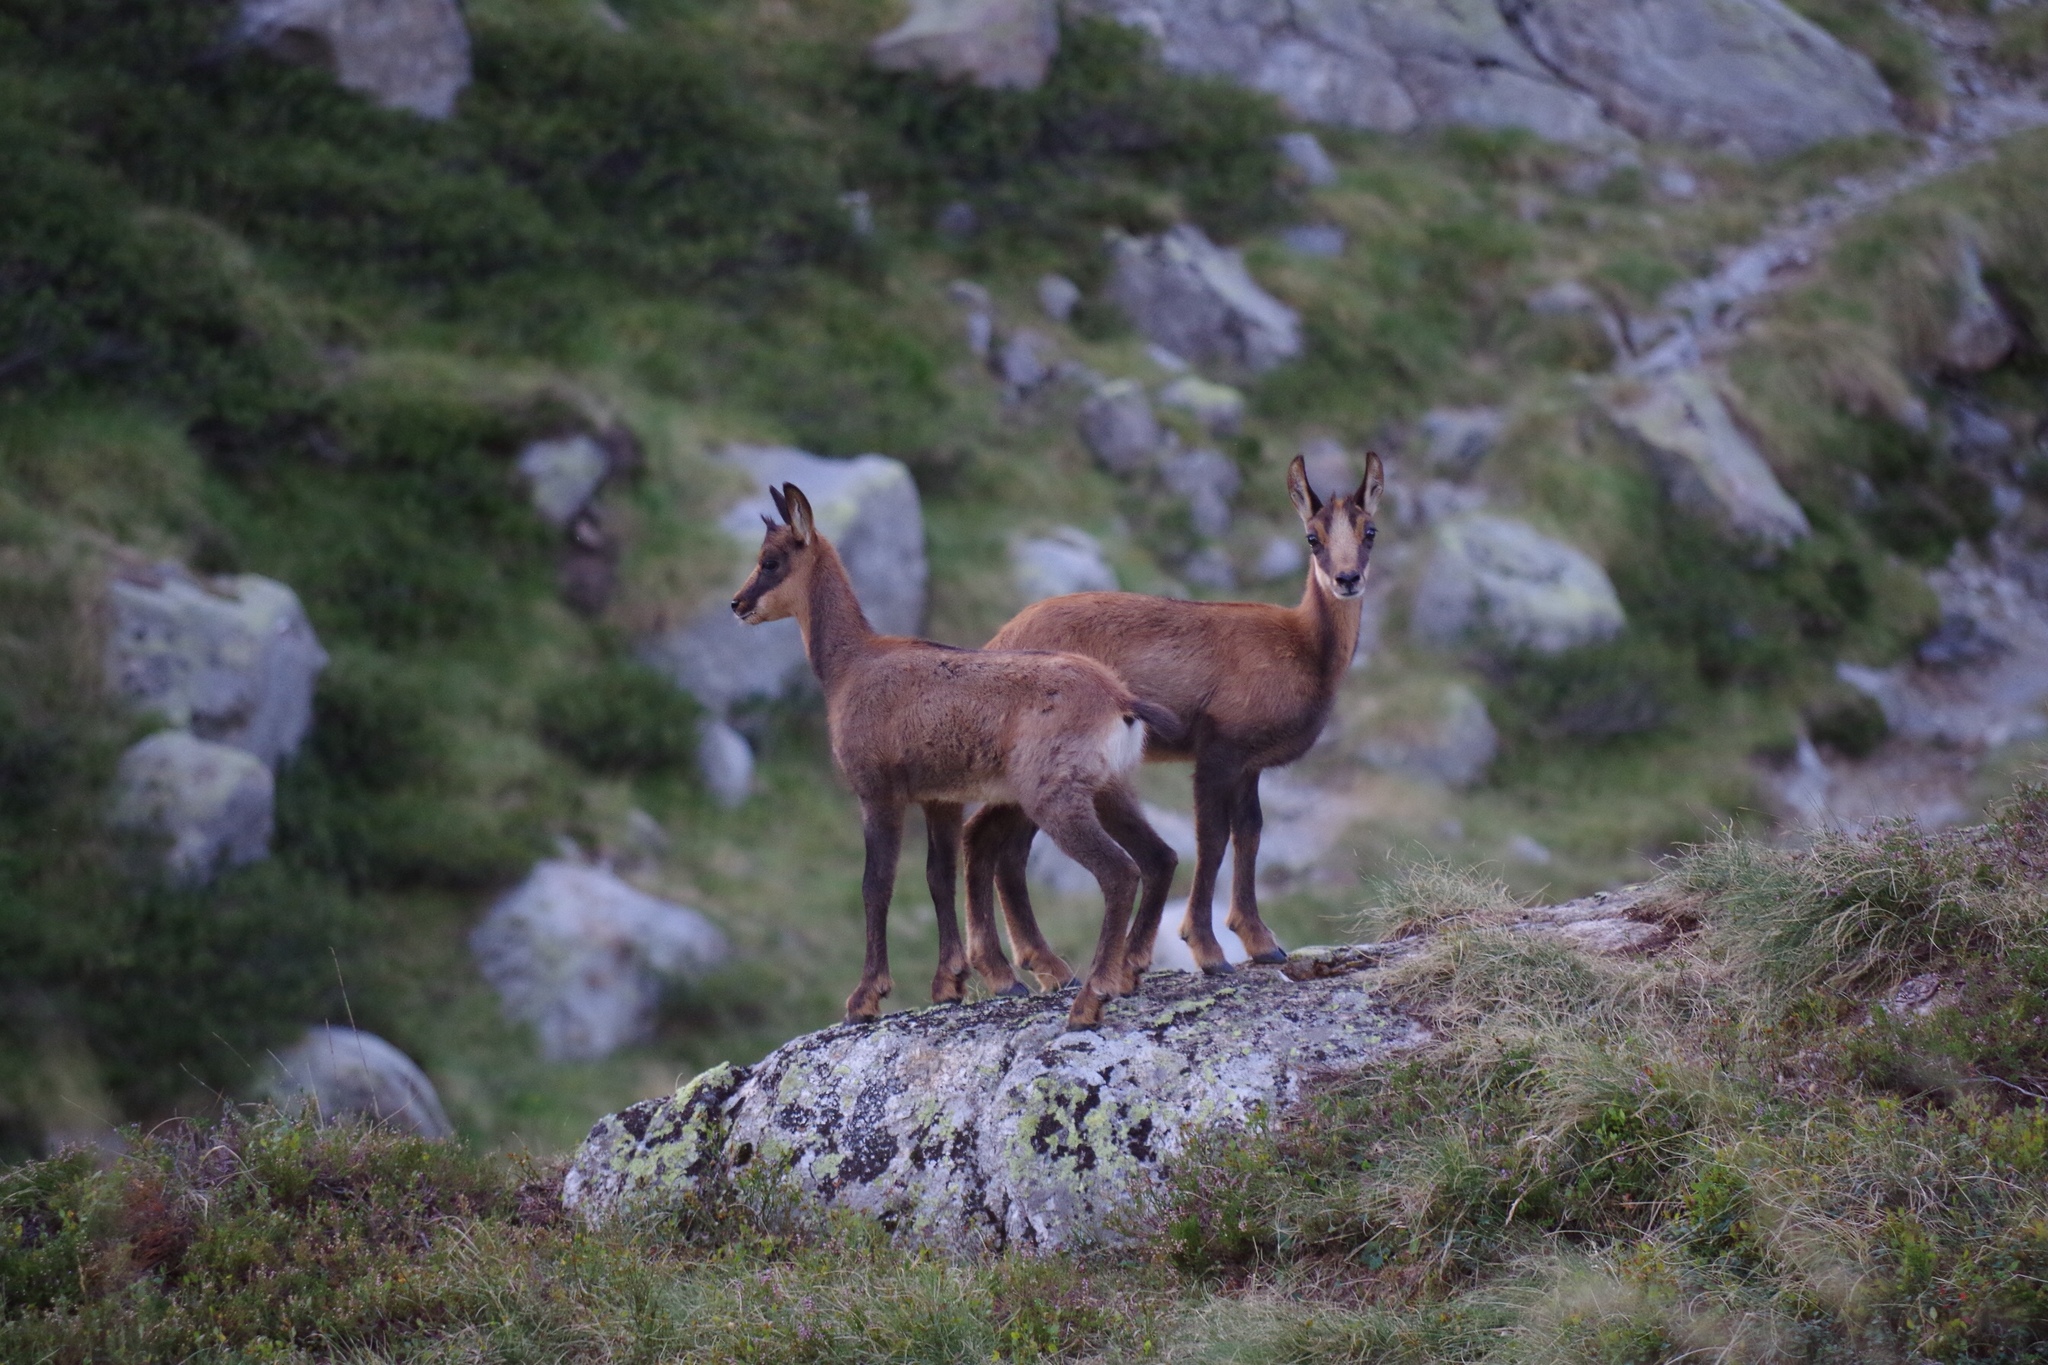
(1053, 736)
(1250, 684)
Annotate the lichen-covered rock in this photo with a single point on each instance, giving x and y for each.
(1707, 465)
(211, 804)
(345, 1074)
(1500, 579)
(403, 54)
(1443, 734)
(1196, 299)
(869, 508)
(996, 44)
(233, 659)
(583, 957)
(986, 1127)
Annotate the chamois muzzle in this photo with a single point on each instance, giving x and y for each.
(1348, 584)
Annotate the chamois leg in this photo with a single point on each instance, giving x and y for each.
(1073, 825)
(941, 865)
(1216, 781)
(987, 833)
(1034, 954)
(1246, 820)
(1125, 820)
(882, 826)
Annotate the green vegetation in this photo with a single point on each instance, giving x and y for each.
(1810, 1130)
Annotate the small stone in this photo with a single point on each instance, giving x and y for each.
(1523, 849)
(725, 762)
(403, 54)
(1058, 296)
(1455, 440)
(1981, 336)
(859, 207)
(1165, 359)
(1676, 182)
(213, 804)
(1314, 239)
(1218, 407)
(981, 334)
(1118, 426)
(345, 1075)
(1183, 292)
(956, 221)
(1304, 152)
(1068, 560)
(1021, 362)
(563, 475)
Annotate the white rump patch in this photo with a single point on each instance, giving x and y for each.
(1124, 746)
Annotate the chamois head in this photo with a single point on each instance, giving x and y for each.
(1340, 531)
(783, 568)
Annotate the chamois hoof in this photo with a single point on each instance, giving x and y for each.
(1221, 969)
(1275, 954)
(1014, 989)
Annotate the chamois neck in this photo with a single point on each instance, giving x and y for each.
(834, 627)
(1333, 624)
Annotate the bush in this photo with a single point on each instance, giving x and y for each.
(623, 719)
(1847, 721)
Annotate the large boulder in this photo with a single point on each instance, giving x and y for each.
(987, 1127)
(869, 508)
(584, 957)
(996, 44)
(1198, 301)
(1502, 580)
(563, 474)
(233, 659)
(1751, 76)
(1443, 734)
(345, 1075)
(403, 54)
(1386, 65)
(1067, 560)
(212, 805)
(1707, 465)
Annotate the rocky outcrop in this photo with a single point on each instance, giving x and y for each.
(1196, 299)
(583, 957)
(211, 805)
(996, 44)
(1707, 465)
(402, 54)
(985, 1127)
(869, 508)
(232, 659)
(1743, 75)
(1068, 560)
(345, 1075)
(1750, 76)
(1443, 735)
(1496, 579)
(1118, 426)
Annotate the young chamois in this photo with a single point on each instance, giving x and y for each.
(1250, 685)
(1053, 736)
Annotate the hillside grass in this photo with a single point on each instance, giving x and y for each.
(1737, 1148)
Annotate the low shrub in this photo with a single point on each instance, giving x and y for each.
(624, 718)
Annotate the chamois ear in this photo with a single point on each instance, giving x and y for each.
(1306, 503)
(781, 504)
(800, 520)
(1372, 485)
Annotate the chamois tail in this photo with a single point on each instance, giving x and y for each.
(1164, 725)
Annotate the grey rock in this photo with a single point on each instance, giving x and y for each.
(1495, 577)
(1676, 182)
(1218, 407)
(726, 763)
(1304, 152)
(1981, 335)
(1314, 239)
(1022, 362)
(1750, 76)
(233, 659)
(1185, 293)
(563, 475)
(1707, 465)
(996, 44)
(957, 221)
(212, 804)
(582, 956)
(987, 1127)
(869, 508)
(1208, 480)
(1435, 500)
(402, 54)
(1066, 561)
(1523, 849)
(1119, 428)
(1165, 359)
(1455, 440)
(1209, 567)
(981, 334)
(860, 212)
(1058, 296)
(1449, 738)
(1280, 557)
(346, 1075)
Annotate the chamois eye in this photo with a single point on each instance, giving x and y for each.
(1370, 533)
(1315, 542)
(771, 564)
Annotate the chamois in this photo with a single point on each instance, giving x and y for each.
(1052, 735)
(1250, 684)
